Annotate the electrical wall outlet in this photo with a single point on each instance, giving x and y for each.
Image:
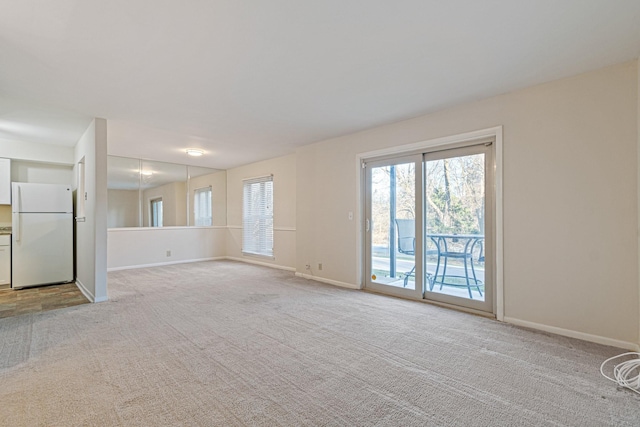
(307, 266)
(168, 253)
(319, 266)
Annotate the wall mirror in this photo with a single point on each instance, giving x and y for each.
(145, 193)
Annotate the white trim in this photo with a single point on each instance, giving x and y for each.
(239, 227)
(495, 132)
(81, 190)
(430, 143)
(160, 264)
(84, 290)
(329, 281)
(88, 295)
(638, 184)
(499, 219)
(178, 227)
(574, 334)
(459, 308)
(209, 187)
(257, 255)
(264, 264)
(360, 221)
(263, 177)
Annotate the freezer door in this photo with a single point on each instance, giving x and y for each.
(42, 249)
(29, 197)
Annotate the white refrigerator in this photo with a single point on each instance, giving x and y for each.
(42, 234)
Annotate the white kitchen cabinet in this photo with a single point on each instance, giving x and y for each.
(5, 259)
(5, 182)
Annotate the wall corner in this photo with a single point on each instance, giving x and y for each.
(101, 210)
(638, 186)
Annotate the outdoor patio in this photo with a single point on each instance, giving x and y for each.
(455, 281)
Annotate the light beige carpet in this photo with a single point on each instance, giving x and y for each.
(230, 344)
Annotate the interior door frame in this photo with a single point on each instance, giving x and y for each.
(415, 293)
(495, 133)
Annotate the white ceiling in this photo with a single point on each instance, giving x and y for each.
(253, 79)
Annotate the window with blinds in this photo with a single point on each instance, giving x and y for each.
(257, 216)
(202, 206)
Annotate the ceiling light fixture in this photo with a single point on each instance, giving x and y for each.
(146, 173)
(194, 152)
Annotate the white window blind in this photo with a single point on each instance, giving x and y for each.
(257, 216)
(202, 206)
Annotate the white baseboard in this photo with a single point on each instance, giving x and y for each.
(329, 281)
(85, 291)
(574, 334)
(264, 264)
(160, 264)
(88, 294)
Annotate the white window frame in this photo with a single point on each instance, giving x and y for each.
(257, 216)
(156, 219)
(202, 216)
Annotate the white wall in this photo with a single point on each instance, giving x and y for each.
(5, 215)
(218, 183)
(43, 163)
(31, 151)
(137, 247)
(570, 192)
(283, 170)
(25, 171)
(174, 204)
(122, 208)
(91, 235)
(130, 247)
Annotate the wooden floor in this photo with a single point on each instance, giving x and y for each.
(43, 298)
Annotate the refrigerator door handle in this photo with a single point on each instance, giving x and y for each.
(17, 216)
(19, 197)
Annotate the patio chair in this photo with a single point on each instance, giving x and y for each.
(479, 244)
(465, 253)
(407, 245)
(407, 242)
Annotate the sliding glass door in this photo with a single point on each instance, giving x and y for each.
(429, 226)
(458, 216)
(393, 239)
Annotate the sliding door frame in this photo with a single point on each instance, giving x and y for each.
(482, 147)
(369, 283)
(494, 134)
